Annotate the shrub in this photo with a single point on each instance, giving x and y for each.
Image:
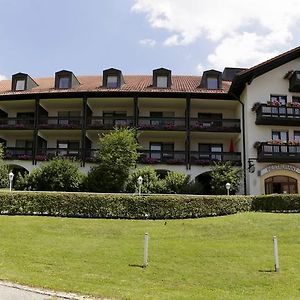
(277, 203)
(176, 182)
(120, 205)
(151, 181)
(59, 175)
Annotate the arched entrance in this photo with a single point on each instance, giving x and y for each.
(203, 184)
(281, 184)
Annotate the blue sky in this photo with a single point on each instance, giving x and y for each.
(40, 37)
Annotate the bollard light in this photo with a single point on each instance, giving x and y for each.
(140, 182)
(228, 186)
(11, 178)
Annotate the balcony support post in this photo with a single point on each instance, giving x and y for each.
(188, 132)
(35, 130)
(83, 130)
(136, 112)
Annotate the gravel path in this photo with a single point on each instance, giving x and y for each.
(12, 291)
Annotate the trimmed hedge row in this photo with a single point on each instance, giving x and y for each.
(128, 206)
(277, 203)
(123, 206)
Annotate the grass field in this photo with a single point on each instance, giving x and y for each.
(211, 258)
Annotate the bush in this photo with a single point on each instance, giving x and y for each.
(120, 205)
(151, 182)
(176, 182)
(277, 203)
(59, 175)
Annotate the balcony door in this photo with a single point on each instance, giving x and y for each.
(281, 185)
(162, 151)
(210, 151)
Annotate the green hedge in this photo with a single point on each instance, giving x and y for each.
(277, 203)
(127, 206)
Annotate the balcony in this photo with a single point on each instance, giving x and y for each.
(16, 123)
(284, 153)
(277, 115)
(18, 153)
(44, 154)
(220, 125)
(165, 123)
(60, 123)
(162, 157)
(108, 123)
(209, 158)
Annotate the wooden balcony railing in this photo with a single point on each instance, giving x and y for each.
(166, 123)
(158, 157)
(278, 153)
(60, 123)
(18, 153)
(109, 122)
(49, 153)
(220, 125)
(281, 115)
(208, 158)
(16, 123)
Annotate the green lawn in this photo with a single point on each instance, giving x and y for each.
(211, 258)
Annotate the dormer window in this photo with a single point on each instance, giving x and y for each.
(64, 83)
(162, 82)
(112, 81)
(295, 82)
(65, 80)
(212, 83)
(22, 82)
(112, 78)
(162, 78)
(211, 80)
(20, 85)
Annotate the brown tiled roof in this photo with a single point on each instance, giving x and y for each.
(133, 83)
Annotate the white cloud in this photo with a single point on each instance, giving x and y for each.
(148, 42)
(243, 33)
(2, 77)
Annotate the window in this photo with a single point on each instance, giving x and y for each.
(64, 82)
(68, 147)
(112, 81)
(161, 151)
(280, 135)
(20, 85)
(24, 147)
(297, 135)
(212, 83)
(210, 151)
(280, 98)
(26, 118)
(296, 99)
(115, 118)
(69, 117)
(162, 81)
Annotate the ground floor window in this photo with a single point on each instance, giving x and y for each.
(280, 185)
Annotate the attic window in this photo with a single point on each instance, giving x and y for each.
(20, 84)
(162, 82)
(112, 81)
(64, 82)
(162, 78)
(212, 83)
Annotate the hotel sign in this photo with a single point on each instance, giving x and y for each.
(278, 167)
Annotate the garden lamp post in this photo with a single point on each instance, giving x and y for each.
(11, 178)
(228, 185)
(140, 182)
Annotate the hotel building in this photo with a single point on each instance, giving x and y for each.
(250, 117)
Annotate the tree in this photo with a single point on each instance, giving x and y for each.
(117, 156)
(59, 175)
(222, 173)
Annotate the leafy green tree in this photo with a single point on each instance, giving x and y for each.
(117, 156)
(176, 182)
(58, 175)
(222, 173)
(151, 182)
